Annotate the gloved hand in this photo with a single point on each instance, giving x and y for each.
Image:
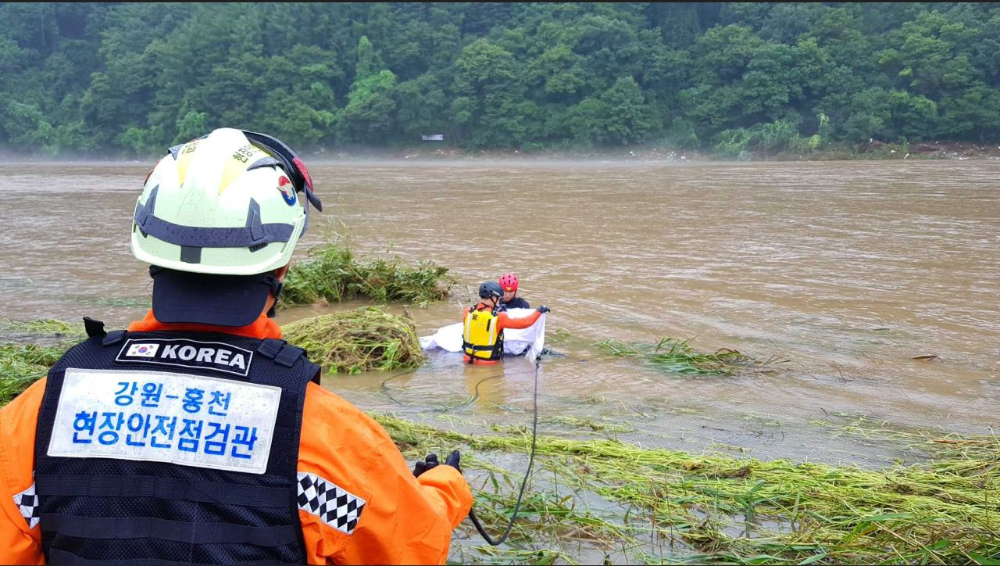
(431, 462)
(428, 463)
(543, 309)
(453, 460)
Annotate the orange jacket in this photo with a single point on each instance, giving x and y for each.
(407, 520)
(503, 321)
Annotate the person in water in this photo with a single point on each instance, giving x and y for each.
(508, 282)
(199, 436)
(483, 326)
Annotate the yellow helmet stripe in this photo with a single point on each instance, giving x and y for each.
(184, 155)
(243, 157)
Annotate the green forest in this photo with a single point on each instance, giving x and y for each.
(135, 78)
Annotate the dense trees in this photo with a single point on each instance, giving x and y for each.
(137, 77)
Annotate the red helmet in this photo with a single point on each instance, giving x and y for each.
(509, 282)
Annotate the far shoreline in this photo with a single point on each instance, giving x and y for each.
(640, 154)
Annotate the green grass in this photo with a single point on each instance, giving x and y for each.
(23, 364)
(335, 274)
(678, 507)
(358, 340)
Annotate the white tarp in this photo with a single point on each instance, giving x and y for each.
(515, 341)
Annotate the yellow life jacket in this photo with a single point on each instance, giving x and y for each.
(480, 337)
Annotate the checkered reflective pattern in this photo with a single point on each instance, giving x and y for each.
(27, 502)
(335, 506)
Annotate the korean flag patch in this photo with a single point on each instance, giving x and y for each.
(141, 350)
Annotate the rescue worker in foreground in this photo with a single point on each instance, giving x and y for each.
(198, 435)
(508, 282)
(483, 326)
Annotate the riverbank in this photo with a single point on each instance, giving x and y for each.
(605, 501)
(874, 150)
(434, 152)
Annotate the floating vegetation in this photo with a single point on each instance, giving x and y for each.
(678, 356)
(591, 424)
(671, 506)
(335, 274)
(358, 340)
(23, 364)
(562, 338)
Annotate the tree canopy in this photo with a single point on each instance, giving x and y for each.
(134, 78)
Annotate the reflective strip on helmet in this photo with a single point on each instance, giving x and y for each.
(254, 233)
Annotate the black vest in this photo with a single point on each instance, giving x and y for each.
(117, 511)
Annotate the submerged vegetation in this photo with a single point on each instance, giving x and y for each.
(670, 506)
(335, 274)
(358, 340)
(678, 356)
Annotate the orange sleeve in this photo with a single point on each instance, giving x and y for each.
(404, 520)
(504, 321)
(18, 420)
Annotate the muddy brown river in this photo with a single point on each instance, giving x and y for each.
(840, 272)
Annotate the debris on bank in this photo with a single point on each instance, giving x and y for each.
(673, 506)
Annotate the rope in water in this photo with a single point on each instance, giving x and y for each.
(531, 458)
(531, 461)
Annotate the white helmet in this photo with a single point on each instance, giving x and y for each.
(223, 204)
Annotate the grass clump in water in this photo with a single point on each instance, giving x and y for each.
(678, 356)
(358, 340)
(335, 274)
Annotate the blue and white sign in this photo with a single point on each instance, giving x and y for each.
(191, 420)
